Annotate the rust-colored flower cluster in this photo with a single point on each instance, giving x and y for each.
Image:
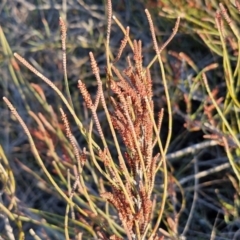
(131, 118)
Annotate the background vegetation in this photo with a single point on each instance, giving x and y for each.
(203, 77)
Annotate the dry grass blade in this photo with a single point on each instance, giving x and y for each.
(37, 156)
